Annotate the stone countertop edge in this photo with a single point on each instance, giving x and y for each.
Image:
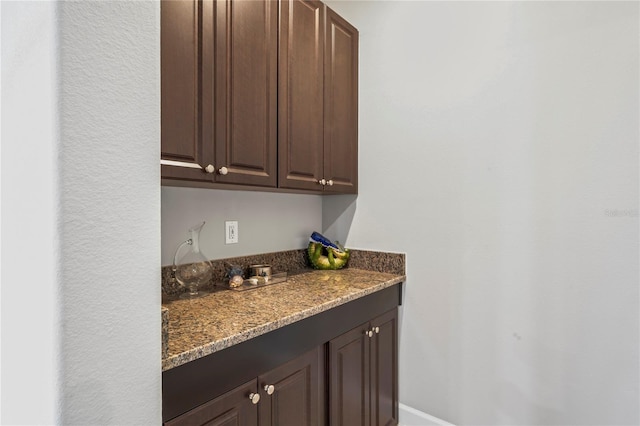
(223, 343)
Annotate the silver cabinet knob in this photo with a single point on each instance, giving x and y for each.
(377, 330)
(369, 333)
(330, 182)
(322, 182)
(209, 168)
(254, 397)
(223, 170)
(269, 389)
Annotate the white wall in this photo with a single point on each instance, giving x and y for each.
(110, 192)
(267, 222)
(30, 370)
(508, 133)
(80, 213)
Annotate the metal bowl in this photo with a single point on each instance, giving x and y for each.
(260, 270)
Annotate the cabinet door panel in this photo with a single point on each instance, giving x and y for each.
(349, 379)
(231, 409)
(384, 370)
(341, 105)
(298, 396)
(180, 114)
(300, 85)
(245, 91)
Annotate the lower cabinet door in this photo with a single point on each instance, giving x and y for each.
(363, 374)
(384, 369)
(349, 403)
(233, 408)
(293, 394)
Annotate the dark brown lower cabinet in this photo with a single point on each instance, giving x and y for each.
(289, 395)
(293, 394)
(363, 374)
(322, 370)
(232, 408)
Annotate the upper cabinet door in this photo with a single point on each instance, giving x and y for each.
(180, 115)
(259, 92)
(239, 96)
(341, 105)
(300, 85)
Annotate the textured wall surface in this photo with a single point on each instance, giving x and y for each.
(110, 192)
(30, 215)
(508, 133)
(267, 222)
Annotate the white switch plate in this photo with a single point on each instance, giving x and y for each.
(231, 232)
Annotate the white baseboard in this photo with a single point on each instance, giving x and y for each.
(409, 416)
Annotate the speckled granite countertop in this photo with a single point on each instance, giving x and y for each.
(209, 324)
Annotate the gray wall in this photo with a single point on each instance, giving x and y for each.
(110, 135)
(30, 205)
(267, 222)
(81, 213)
(499, 149)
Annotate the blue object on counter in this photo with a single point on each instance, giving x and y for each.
(321, 239)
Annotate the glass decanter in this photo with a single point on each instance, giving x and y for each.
(191, 268)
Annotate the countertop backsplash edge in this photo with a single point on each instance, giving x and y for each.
(290, 261)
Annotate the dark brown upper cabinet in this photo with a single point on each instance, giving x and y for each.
(318, 99)
(255, 98)
(183, 156)
(340, 105)
(301, 92)
(239, 91)
(219, 91)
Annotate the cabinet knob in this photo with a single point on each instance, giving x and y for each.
(330, 182)
(223, 170)
(254, 397)
(209, 168)
(368, 333)
(377, 330)
(269, 389)
(322, 182)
